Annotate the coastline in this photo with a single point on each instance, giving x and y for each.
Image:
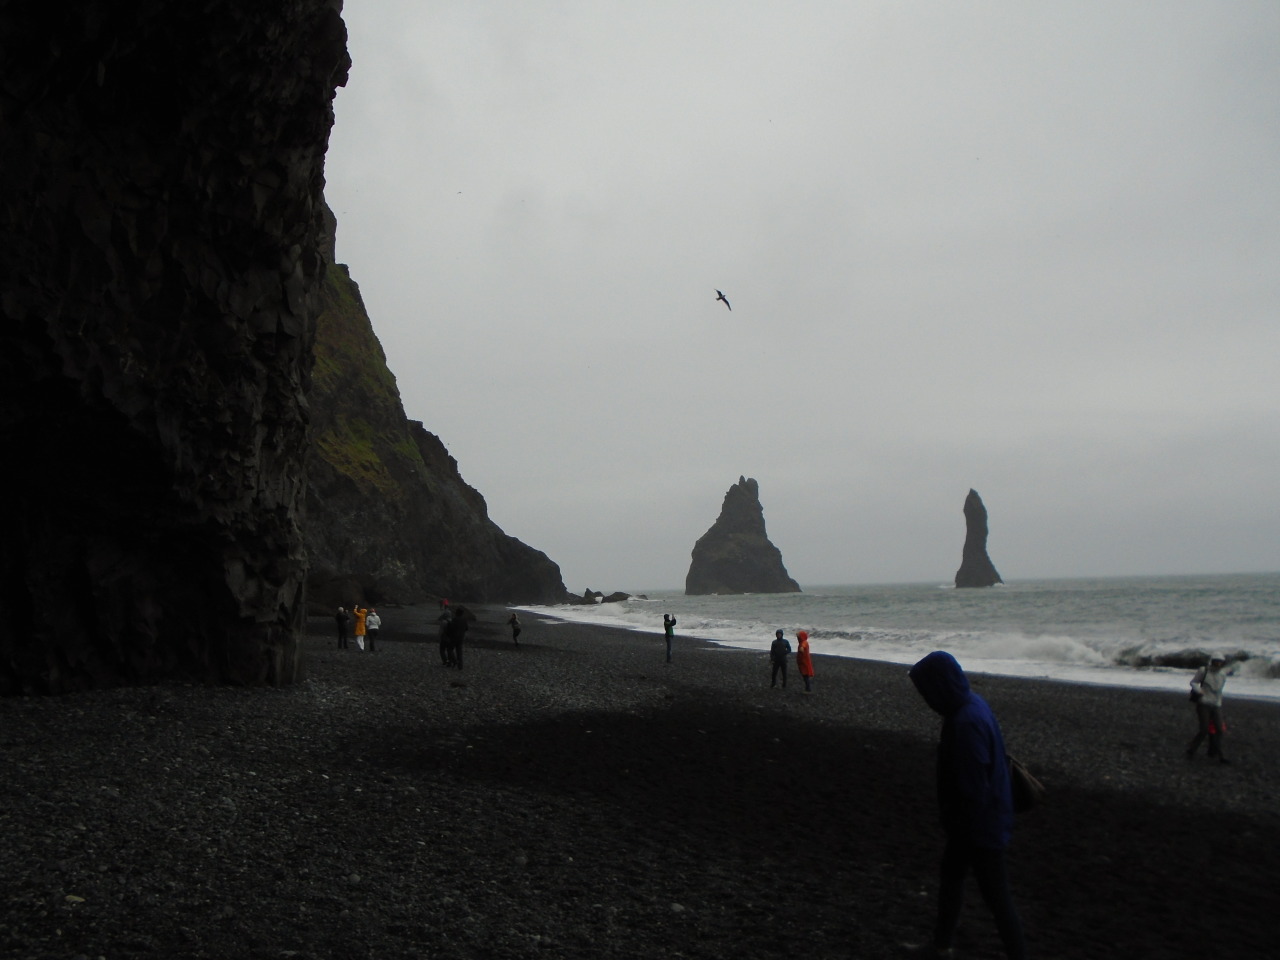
(1147, 633)
(1142, 728)
(578, 798)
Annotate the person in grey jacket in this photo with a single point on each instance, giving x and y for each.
(1206, 692)
(372, 623)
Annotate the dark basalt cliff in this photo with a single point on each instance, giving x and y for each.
(735, 555)
(161, 271)
(160, 223)
(389, 517)
(976, 568)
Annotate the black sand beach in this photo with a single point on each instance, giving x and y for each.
(577, 798)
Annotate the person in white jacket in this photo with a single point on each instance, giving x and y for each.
(1206, 693)
(373, 623)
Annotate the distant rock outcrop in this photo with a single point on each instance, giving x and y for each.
(735, 555)
(976, 568)
(389, 517)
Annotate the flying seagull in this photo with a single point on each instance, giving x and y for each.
(720, 296)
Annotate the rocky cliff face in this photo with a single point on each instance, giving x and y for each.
(160, 231)
(389, 516)
(735, 555)
(976, 568)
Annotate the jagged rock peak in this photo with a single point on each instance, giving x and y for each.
(735, 555)
(976, 568)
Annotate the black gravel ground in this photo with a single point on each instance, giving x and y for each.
(578, 798)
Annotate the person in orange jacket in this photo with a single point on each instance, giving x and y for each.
(361, 614)
(804, 663)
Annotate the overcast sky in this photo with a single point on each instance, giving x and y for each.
(1032, 249)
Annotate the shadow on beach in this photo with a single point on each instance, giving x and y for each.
(576, 798)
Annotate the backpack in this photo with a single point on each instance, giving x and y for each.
(1028, 792)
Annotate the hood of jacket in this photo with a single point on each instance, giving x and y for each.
(942, 682)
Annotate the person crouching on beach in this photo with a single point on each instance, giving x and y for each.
(975, 801)
(1206, 693)
(779, 654)
(804, 662)
(669, 628)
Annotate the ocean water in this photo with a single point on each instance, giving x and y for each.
(1146, 632)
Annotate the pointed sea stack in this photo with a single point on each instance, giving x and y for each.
(735, 555)
(976, 568)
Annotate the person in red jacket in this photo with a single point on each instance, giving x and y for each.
(804, 662)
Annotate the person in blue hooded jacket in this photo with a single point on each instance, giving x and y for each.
(974, 801)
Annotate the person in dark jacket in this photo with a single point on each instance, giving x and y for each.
(455, 632)
(779, 653)
(974, 800)
(343, 620)
(442, 621)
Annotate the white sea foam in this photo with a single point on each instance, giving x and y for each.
(1131, 632)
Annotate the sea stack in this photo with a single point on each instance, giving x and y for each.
(976, 568)
(735, 555)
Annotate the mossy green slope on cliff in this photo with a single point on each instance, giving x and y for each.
(353, 431)
(389, 516)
